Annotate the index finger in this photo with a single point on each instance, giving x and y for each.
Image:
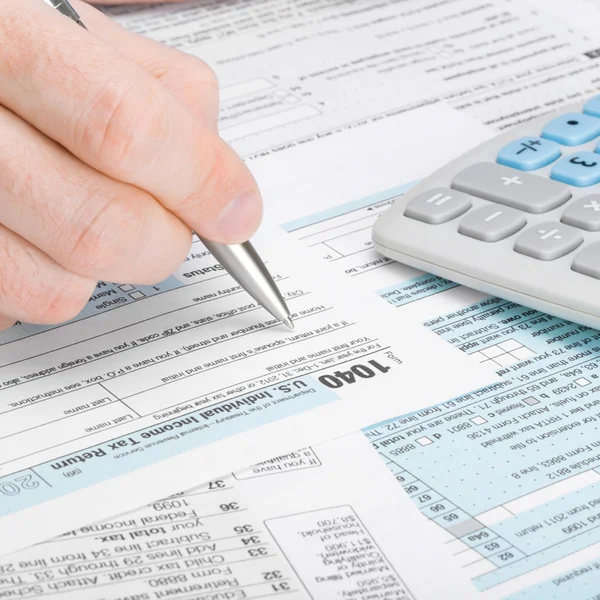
(114, 116)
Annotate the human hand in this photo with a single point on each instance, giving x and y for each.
(109, 156)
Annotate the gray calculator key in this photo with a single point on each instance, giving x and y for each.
(523, 191)
(548, 241)
(584, 213)
(438, 205)
(587, 262)
(492, 223)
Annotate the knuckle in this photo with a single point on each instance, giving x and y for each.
(214, 182)
(121, 118)
(191, 81)
(31, 293)
(12, 286)
(201, 73)
(187, 69)
(210, 78)
(170, 259)
(62, 301)
(93, 244)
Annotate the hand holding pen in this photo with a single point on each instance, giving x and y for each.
(110, 158)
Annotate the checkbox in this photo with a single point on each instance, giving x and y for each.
(523, 353)
(505, 360)
(478, 420)
(126, 288)
(424, 441)
(582, 381)
(137, 295)
(510, 345)
(492, 351)
(531, 400)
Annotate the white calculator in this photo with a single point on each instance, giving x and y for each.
(517, 217)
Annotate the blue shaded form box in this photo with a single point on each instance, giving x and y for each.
(192, 429)
(504, 459)
(555, 521)
(581, 582)
(415, 289)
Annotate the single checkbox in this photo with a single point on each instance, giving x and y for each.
(424, 441)
(523, 353)
(492, 351)
(510, 345)
(505, 360)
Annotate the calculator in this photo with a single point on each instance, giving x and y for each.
(517, 217)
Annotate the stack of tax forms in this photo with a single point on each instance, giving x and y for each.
(410, 439)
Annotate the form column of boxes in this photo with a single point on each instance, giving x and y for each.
(133, 293)
(504, 354)
(479, 420)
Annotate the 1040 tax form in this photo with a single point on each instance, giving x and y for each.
(383, 101)
(150, 391)
(316, 524)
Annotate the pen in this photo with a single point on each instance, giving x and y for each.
(241, 261)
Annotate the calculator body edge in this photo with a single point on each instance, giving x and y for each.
(549, 286)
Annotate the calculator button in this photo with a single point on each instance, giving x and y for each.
(581, 169)
(592, 106)
(584, 213)
(438, 205)
(572, 129)
(523, 191)
(548, 241)
(587, 262)
(528, 153)
(492, 223)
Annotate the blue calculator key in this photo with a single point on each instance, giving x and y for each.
(572, 129)
(592, 106)
(581, 169)
(528, 153)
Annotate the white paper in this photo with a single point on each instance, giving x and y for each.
(291, 70)
(322, 523)
(341, 110)
(296, 77)
(583, 15)
(511, 472)
(184, 384)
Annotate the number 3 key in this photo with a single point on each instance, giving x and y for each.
(581, 169)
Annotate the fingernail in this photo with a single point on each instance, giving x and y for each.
(240, 218)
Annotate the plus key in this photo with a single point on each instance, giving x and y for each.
(523, 191)
(511, 180)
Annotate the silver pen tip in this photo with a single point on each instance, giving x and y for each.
(288, 323)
